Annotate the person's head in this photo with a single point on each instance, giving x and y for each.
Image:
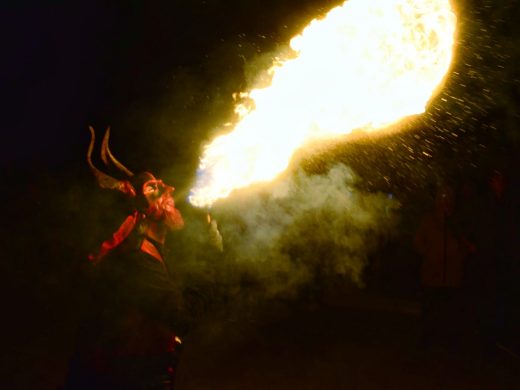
(143, 188)
(148, 189)
(445, 200)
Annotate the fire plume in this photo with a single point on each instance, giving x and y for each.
(365, 65)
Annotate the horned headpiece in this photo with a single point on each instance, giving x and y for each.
(143, 187)
(151, 198)
(104, 180)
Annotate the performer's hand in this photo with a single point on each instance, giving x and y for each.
(214, 234)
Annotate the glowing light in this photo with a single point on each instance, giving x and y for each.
(367, 64)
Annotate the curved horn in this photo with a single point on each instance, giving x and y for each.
(105, 151)
(104, 180)
(104, 143)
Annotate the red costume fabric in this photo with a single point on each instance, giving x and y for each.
(160, 216)
(117, 238)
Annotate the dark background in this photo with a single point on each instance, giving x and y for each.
(161, 74)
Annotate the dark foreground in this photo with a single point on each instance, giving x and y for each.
(361, 342)
(341, 348)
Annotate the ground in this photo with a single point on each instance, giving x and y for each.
(357, 342)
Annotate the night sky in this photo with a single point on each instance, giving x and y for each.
(122, 63)
(162, 75)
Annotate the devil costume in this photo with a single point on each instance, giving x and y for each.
(126, 339)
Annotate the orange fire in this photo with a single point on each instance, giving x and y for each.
(367, 64)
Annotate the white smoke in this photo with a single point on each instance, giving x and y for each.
(283, 235)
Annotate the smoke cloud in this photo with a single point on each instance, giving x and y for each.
(300, 231)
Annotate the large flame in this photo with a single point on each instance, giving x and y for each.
(367, 64)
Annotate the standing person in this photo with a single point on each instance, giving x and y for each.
(442, 269)
(127, 340)
(495, 261)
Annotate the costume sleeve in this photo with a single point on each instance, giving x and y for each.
(117, 238)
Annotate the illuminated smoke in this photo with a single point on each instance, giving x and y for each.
(366, 65)
(302, 226)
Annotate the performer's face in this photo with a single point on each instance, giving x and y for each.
(153, 189)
